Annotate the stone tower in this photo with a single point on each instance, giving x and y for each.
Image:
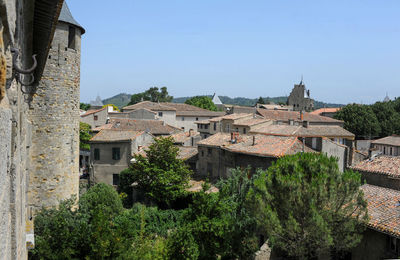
(300, 98)
(54, 113)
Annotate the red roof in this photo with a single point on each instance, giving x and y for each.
(325, 110)
(90, 112)
(295, 115)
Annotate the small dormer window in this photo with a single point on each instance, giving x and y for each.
(71, 37)
(160, 114)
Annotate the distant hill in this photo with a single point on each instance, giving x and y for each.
(119, 100)
(123, 99)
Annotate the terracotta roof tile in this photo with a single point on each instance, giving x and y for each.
(386, 165)
(90, 112)
(310, 131)
(383, 209)
(294, 115)
(182, 137)
(264, 145)
(393, 140)
(325, 110)
(155, 127)
(115, 135)
(184, 153)
(154, 106)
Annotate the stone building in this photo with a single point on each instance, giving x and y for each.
(111, 152)
(54, 114)
(222, 152)
(182, 116)
(27, 28)
(389, 145)
(300, 98)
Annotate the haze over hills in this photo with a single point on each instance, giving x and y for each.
(123, 99)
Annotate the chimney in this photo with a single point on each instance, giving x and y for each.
(190, 132)
(234, 137)
(301, 115)
(306, 124)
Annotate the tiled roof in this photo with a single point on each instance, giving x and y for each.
(386, 165)
(102, 127)
(264, 145)
(184, 153)
(187, 152)
(154, 106)
(90, 112)
(204, 122)
(310, 131)
(393, 140)
(250, 121)
(294, 115)
(383, 209)
(112, 135)
(234, 116)
(155, 127)
(275, 146)
(181, 137)
(181, 109)
(205, 113)
(325, 110)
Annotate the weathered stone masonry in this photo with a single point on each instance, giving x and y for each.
(55, 122)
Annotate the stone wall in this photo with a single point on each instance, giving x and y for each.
(90, 119)
(14, 128)
(55, 122)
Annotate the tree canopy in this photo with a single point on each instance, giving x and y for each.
(84, 135)
(160, 175)
(153, 94)
(360, 120)
(84, 106)
(202, 102)
(307, 206)
(260, 101)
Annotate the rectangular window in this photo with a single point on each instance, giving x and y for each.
(97, 154)
(71, 37)
(314, 143)
(206, 126)
(160, 114)
(116, 153)
(95, 117)
(244, 130)
(215, 126)
(202, 153)
(209, 151)
(116, 179)
(183, 118)
(391, 151)
(197, 119)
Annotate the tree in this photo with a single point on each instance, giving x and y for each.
(160, 174)
(153, 94)
(307, 206)
(202, 102)
(242, 235)
(260, 101)
(388, 118)
(84, 136)
(360, 120)
(84, 106)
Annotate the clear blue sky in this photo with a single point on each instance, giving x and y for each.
(347, 50)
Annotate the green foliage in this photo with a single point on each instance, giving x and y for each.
(84, 106)
(388, 118)
(208, 219)
(114, 107)
(153, 94)
(260, 101)
(84, 136)
(378, 120)
(307, 206)
(360, 120)
(160, 174)
(181, 245)
(86, 231)
(202, 102)
(241, 237)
